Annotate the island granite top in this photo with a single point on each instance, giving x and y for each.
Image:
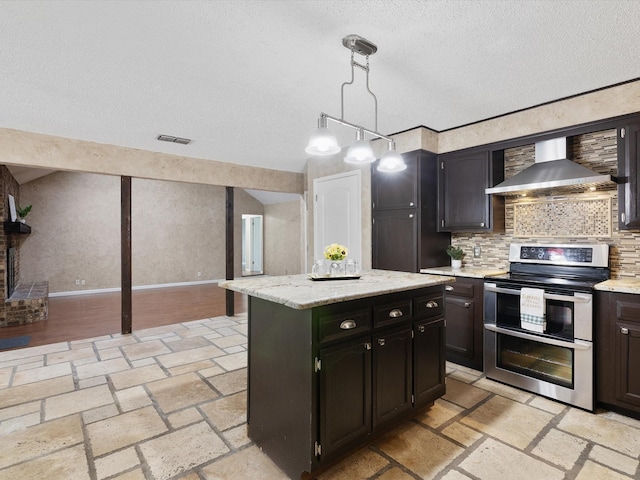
(300, 291)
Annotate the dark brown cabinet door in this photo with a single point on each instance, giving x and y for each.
(345, 394)
(628, 380)
(464, 322)
(395, 240)
(462, 179)
(405, 235)
(460, 326)
(396, 190)
(428, 361)
(617, 342)
(629, 176)
(392, 383)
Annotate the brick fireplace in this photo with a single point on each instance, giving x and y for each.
(23, 302)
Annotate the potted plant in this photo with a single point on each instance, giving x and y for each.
(23, 212)
(456, 254)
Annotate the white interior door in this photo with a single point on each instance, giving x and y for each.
(337, 213)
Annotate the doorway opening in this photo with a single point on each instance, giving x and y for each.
(252, 249)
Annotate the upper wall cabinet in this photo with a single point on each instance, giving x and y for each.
(398, 189)
(462, 178)
(629, 176)
(405, 235)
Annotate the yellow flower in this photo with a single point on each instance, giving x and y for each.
(335, 252)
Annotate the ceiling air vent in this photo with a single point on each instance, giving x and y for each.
(172, 139)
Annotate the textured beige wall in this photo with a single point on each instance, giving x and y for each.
(600, 105)
(283, 238)
(178, 230)
(57, 153)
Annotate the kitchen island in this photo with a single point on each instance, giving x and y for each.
(335, 363)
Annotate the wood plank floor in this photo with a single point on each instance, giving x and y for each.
(85, 316)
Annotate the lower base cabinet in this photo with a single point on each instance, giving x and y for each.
(325, 381)
(618, 352)
(464, 337)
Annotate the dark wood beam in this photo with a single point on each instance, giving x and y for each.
(229, 248)
(125, 252)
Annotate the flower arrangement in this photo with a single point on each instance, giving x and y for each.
(456, 253)
(335, 252)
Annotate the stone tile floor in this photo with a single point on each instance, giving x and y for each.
(170, 403)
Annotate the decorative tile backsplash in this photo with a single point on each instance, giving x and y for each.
(575, 218)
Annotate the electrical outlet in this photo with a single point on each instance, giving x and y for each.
(199, 274)
(77, 281)
(81, 282)
(476, 252)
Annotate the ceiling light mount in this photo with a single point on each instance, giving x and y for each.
(360, 45)
(323, 142)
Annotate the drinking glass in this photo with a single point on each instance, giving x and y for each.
(319, 269)
(352, 267)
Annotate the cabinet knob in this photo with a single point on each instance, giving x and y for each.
(395, 313)
(348, 325)
(381, 341)
(421, 328)
(411, 204)
(449, 288)
(467, 304)
(367, 346)
(432, 304)
(482, 224)
(411, 215)
(624, 331)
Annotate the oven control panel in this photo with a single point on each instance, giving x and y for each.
(575, 254)
(555, 254)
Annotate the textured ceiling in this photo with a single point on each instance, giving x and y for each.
(246, 80)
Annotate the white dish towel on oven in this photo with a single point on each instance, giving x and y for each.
(532, 311)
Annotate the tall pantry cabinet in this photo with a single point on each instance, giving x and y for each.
(405, 232)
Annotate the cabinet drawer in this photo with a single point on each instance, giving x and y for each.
(343, 325)
(392, 313)
(628, 311)
(429, 306)
(460, 289)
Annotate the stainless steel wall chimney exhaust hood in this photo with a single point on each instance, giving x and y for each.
(552, 170)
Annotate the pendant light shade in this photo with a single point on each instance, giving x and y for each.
(360, 152)
(391, 161)
(322, 141)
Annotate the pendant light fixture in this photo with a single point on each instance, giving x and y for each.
(360, 152)
(323, 142)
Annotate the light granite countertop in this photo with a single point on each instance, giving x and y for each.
(620, 285)
(470, 272)
(300, 291)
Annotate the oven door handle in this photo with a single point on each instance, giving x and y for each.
(575, 345)
(489, 287)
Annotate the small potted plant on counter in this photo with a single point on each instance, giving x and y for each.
(456, 255)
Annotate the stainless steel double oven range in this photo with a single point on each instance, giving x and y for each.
(557, 360)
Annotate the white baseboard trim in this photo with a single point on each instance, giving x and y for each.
(138, 287)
